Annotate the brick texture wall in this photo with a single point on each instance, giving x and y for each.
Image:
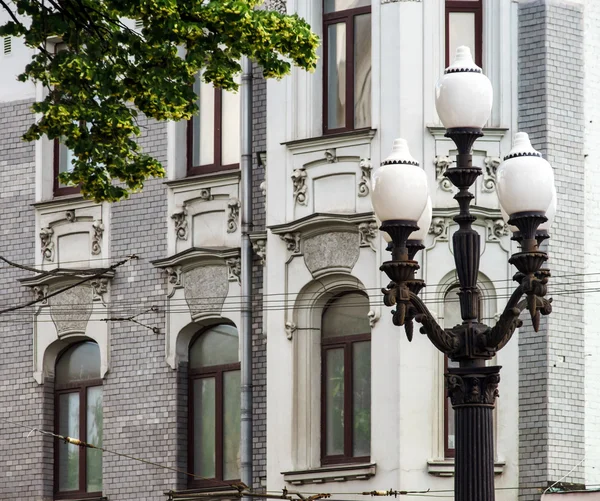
(551, 372)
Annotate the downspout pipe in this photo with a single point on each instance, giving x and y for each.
(246, 273)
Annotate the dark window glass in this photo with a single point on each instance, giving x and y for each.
(464, 20)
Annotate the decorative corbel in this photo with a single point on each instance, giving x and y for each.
(290, 328)
(496, 229)
(47, 243)
(100, 289)
(439, 228)
(233, 214)
(331, 156)
(292, 242)
(174, 275)
(70, 216)
(365, 177)
(373, 317)
(368, 232)
(441, 165)
(489, 173)
(299, 181)
(98, 228)
(234, 265)
(205, 194)
(260, 249)
(181, 224)
(41, 291)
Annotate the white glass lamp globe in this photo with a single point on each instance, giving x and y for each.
(506, 217)
(423, 223)
(550, 213)
(524, 181)
(464, 95)
(399, 186)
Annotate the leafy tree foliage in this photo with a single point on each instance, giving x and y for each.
(109, 72)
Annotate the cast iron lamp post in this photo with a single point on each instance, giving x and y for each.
(525, 185)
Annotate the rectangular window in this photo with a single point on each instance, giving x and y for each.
(464, 20)
(347, 65)
(214, 133)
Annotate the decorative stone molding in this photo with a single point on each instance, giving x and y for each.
(260, 249)
(365, 176)
(368, 233)
(442, 163)
(174, 274)
(445, 467)
(489, 173)
(70, 215)
(202, 300)
(276, 5)
(98, 228)
(439, 228)
(41, 291)
(496, 229)
(339, 473)
(204, 194)
(100, 289)
(181, 224)
(374, 317)
(330, 155)
(263, 188)
(331, 251)
(290, 328)
(234, 267)
(300, 187)
(292, 242)
(47, 243)
(233, 214)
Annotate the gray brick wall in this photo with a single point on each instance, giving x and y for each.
(551, 362)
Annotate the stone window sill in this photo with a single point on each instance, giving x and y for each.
(340, 473)
(445, 467)
(337, 140)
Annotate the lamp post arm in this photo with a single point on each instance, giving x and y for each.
(500, 334)
(443, 339)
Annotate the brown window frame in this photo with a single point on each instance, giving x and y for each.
(347, 16)
(217, 372)
(216, 166)
(476, 7)
(345, 342)
(81, 388)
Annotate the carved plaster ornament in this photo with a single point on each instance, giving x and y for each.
(233, 214)
(204, 194)
(292, 242)
(260, 249)
(331, 156)
(368, 232)
(365, 177)
(181, 224)
(234, 268)
(290, 328)
(41, 291)
(98, 228)
(496, 229)
(263, 188)
(276, 5)
(299, 181)
(373, 317)
(439, 228)
(100, 288)
(441, 165)
(174, 274)
(70, 216)
(47, 243)
(489, 173)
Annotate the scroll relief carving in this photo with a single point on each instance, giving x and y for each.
(439, 228)
(300, 186)
(174, 274)
(260, 249)
(204, 194)
(368, 232)
(47, 243)
(234, 268)
(233, 214)
(98, 228)
(489, 173)
(331, 156)
(292, 242)
(290, 328)
(70, 216)
(365, 177)
(181, 224)
(496, 229)
(100, 289)
(442, 163)
(41, 291)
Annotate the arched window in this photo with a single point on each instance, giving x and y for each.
(78, 390)
(214, 409)
(346, 380)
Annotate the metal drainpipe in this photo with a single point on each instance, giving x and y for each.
(246, 274)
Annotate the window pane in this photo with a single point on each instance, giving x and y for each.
(230, 128)
(334, 402)
(203, 142)
(94, 436)
(68, 454)
(336, 75)
(361, 389)
(204, 427)
(346, 315)
(217, 346)
(231, 425)
(79, 363)
(450, 438)
(362, 71)
(461, 31)
(337, 5)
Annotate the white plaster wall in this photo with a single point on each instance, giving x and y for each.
(592, 238)
(13, 65)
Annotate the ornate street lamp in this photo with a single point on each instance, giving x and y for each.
(527, 195)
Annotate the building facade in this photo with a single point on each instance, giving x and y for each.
(144, 356)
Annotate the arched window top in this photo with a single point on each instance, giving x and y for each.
(346, 315)
(217, 345)
(79, 362)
